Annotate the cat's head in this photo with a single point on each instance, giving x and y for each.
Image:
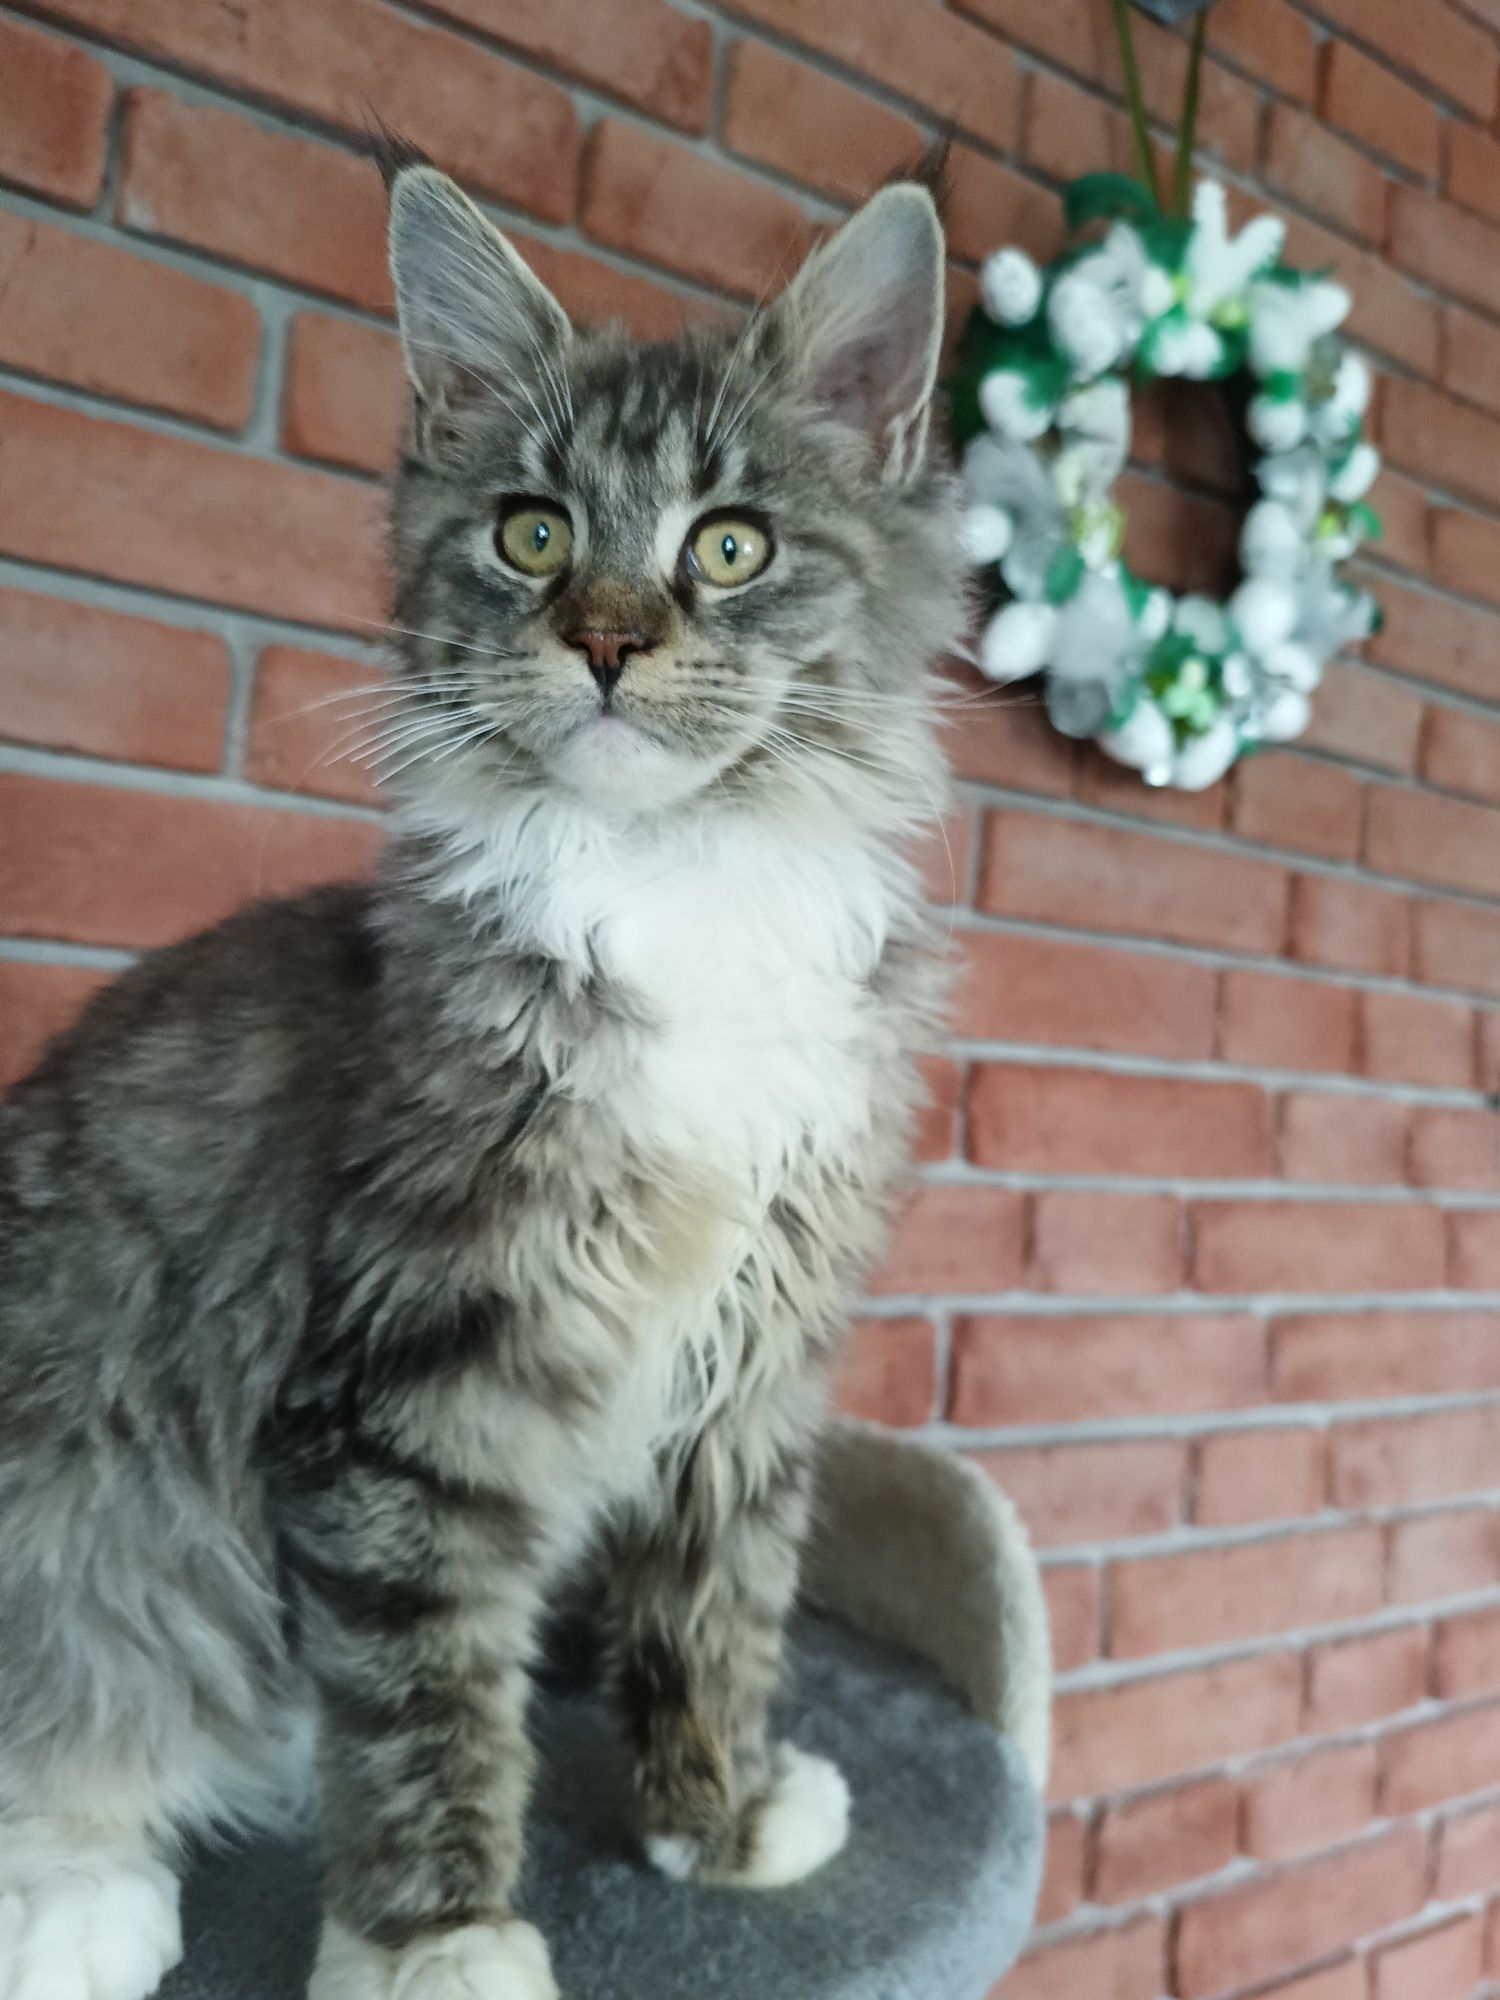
(637, 575)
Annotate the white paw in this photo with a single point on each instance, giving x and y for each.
(803, 1824)
(674, 1854)
(476, 1963)
(86, 1924)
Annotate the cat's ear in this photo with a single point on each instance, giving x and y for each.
(864, 323)
(471, 314)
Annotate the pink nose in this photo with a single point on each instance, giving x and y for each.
(607, 652)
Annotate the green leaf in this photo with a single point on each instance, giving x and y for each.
(1064, 574)
(1109, 198)
(1363, 517)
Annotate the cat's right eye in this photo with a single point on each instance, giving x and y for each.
(534, 536)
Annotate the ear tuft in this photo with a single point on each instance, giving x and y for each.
(864, 323)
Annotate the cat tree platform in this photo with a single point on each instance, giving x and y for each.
(922, 1670)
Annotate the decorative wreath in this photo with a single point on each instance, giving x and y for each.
(1176, 687)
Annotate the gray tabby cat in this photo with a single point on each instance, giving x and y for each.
(369, 1261)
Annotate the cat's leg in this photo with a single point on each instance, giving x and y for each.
(88, 1908)
(701, 1592)
(422, 1605)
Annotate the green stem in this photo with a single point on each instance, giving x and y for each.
(1187, 137)
(1135, 98)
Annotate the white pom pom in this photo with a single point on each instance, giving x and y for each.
(1271, 543)
(1238, 676)
(1192, 350)
(1287, 716)
(1158, 293)
(1010, 287)
(1264, 613)
(1006, 401)
(1017, 641)
(1085, 324)
(1358, 474)
(1203, 760)
(986, 534)
(1353, 386)
(1277, 425)
(1296, 665)
(1156, 617)
(1202, 621)
(1144, 740)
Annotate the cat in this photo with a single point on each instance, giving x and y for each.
(373, 1262)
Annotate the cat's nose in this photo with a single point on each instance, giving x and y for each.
(608, 652)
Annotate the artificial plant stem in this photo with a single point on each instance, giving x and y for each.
(1136, 100)
(1187, 136)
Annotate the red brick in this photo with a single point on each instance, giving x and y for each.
(937, 1120)
(1062, 1872)
(1289, 801)
(1444, 247)
(1165, 1839)
(312, 716)
(1448, 1960)
(1344, 1981)
(1471, 357)
(1265, 1475)
(1364, 98)
(927, 56)
(1358, 714)
(1050, 1120)
(1310, 1802)
(54, 113)
(1100, 878)
(1452, 644)
(110, 686)
(1409, 1038)
(1462, 753)
(888, 1373)
(595, 293)
(1489, 1051)
(659, 200)
(1286, 1023)
(1349, 926)
(1398, 1461)
(1092, 1492)
(1176, 538)
(1316, 1246)
(1474, 1250)
(1439, 439)
(1389, 313)
(1459, 59)
(955, 1239)
(101, 319)
(1471, 173)
(1271, 41)
(1321, 172)
(1457, 945)
(1073, 1608)
(1056, 1368)
(1124, 1963)
(346, 392)
(175, 515)
(1228, 113)
(294, 207)
(36, 1003)
(1100, 781)
(1357, 1681)
(101, 865)
(1056, 992)
(1342, 1141)
(944, 855)
(996, 737)
(1121, 1245)
(1111, 1739)
(1406, 525)
(988, 204)
(1453, 1148)
(1364, 1356)
(1214, 1597)
(1435, 1761)
(1281, 1922)
(1444, 1555)
(644, 51)
(794, 118)
(1465, 550)
(1468, 1855)
(1432, 839)
(1068, 32)
(1070, 132)
(487, 121)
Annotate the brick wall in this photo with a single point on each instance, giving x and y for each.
(1205, 1263)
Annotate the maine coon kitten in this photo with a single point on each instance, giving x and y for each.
(367, 1261)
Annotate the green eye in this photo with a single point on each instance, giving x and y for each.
(535, 537)
(728, 551)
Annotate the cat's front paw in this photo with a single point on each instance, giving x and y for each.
(800, 1825)
(83, 1923)
(479, 1962)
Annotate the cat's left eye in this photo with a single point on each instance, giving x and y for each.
(534, 537)
(727, 550)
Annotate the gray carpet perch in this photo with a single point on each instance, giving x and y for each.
(921, 1667)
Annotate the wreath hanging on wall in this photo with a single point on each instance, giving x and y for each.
(1177, 687)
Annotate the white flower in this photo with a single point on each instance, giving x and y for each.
(1277, 423)
(1202, 621)
(1204, 759)
(1190, 348)
(1286, 715)
(1144, 741)
(1220, 267)
(1287, 322)
(986, 534)
(1095, 423)
(1238, 676)
(1353, 480)
(1271, 543)
(1086, 324)
(1010, 287)
(1339, 415)
(1008, 401)
(1295, 664)
(1017, 641)
(1158, 294)
(1299, 480)
(1010, 475)
(1264, 613)
(1155, 621)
